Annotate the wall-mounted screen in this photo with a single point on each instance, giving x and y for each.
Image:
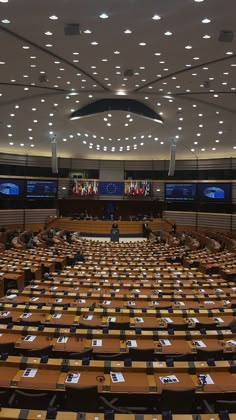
(138, 188)
(41, 189)
(180, 192)
(214, 191)
(80, 187)
(11, 188)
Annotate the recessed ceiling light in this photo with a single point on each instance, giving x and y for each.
(188, 47)
(156, 17)
(206, 20)
(128, 31)
(168, 33)
(94, 43)
(53, 17)
(229, 53)
(206, 36)
(87, 31)
(3, 1)
(48, 33)
(6, 21)
(198, 1)
(142, 44)
(116, 52)
(103, 16)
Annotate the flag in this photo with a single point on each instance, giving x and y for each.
(111, 188)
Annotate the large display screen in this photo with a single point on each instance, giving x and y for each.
(214, 191)
(138, 188)
(180, 192)
(80, 187)
(41, 189)
(11, 188)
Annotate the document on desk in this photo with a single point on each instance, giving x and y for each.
(30, 338)
(209, 302)
(231, 342)
(164, 342)
(34, 299)
(4, 313)
(111, 319)
(57, 316)
(62, 340)
(170, 379)
(96, 343)
(131, 343)
(117, 377)
(138, 320)
(205, 379)
(219, 320)
(72, 378)
(88, 317)
(81, 300)
(106, 302)
(180, 303)
(168, 320)
(199, 343)
(26, 315)
(131, 303)
(155, 302)
(12, 296)
(194, 320)
(29, 373)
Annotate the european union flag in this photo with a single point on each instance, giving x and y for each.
(111, 188)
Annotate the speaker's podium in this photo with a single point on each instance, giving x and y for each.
(115, 235)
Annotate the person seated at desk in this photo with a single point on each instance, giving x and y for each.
(78, 257)
(115, 226)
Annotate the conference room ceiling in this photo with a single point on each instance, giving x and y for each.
(165, 54)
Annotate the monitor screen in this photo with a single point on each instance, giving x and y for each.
(80, 187)
(10, 188)
(180, 192)
(214, 191)
(138, 188)
(41, 189)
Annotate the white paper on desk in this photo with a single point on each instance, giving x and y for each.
(168, 320)
(180, 303)
(131, 303)
(218, 320)
(33, 299)
(106, 302)
(231, 342)
(117, 377)
(219, 290)
(29, 373)
(199, 343)
(111, 319)
(194, 320)
(82, 301)
(116, 290)
(72, 378)
(164, 342)
(96, 343)
(201, 290)
(135, 291)
(209, 302)
(54, 287)
(26, 315)
(169, 379)
(30, 337)
(131, 343)
(138, 320)
(154, 302)
(4, 313)
(226, 302)
(57, 316)
(34, 287)
(13, 296)
(58, 300)
(88, 317)
(205, 379)
(62, 340)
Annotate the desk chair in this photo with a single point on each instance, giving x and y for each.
(178, 401)
(84, 399)
(119, 325)
(230, 406)
(7, 348)
(188, 357)
(79, 355)
(206, 325)
(43, 351)
(6, 320)
(211, 354)
(143, 355)
(109, 356)
(33, 400)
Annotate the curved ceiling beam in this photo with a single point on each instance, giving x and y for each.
(110, 104)
(207, 63)
(46, 51)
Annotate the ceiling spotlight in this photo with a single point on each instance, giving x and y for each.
(103, 16)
